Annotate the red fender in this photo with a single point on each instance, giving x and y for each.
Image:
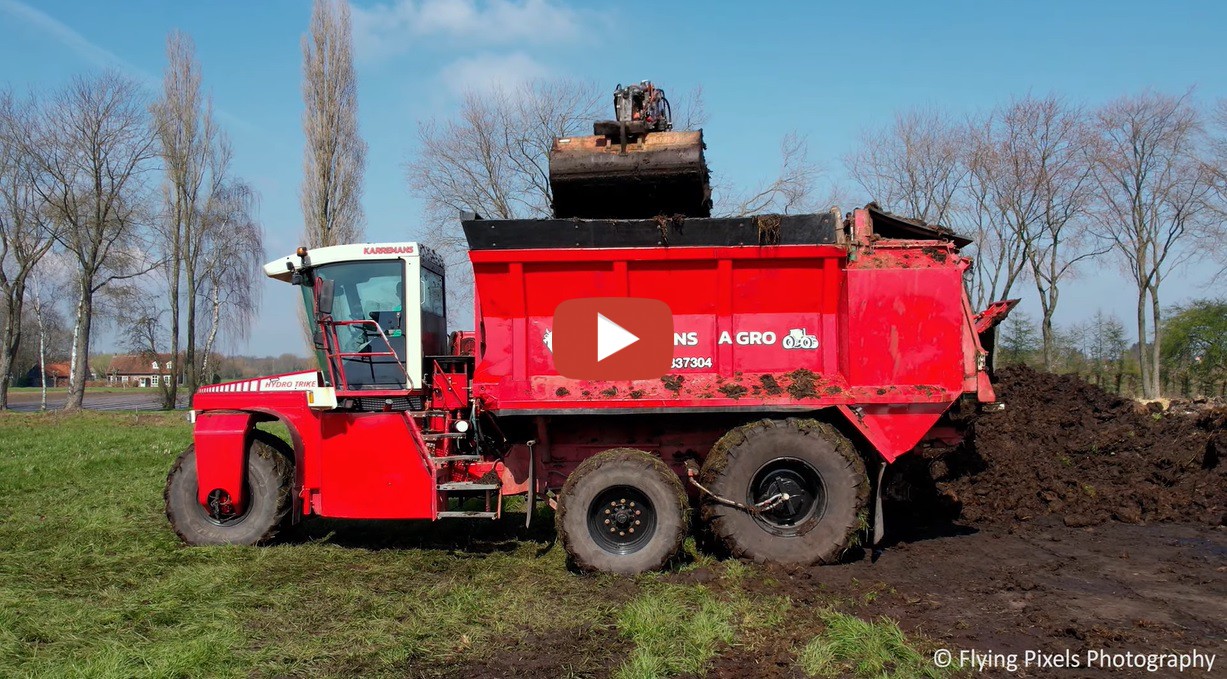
(221, 455)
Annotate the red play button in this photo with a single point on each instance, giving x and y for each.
(613, 338)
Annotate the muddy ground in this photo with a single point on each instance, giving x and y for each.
(1073, 520)
(1047, 587)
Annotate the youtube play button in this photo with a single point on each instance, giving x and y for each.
(612, 338)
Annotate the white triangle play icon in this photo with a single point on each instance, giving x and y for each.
(611, 338)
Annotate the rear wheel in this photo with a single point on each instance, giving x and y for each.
(622, 511)
(269, 486)
(807, 476)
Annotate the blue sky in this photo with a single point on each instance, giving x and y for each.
(824, 69)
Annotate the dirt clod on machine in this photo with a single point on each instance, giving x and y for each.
(635, 166)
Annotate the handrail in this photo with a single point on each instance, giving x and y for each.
(344, 381)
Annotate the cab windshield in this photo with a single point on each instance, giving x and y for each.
(366, 291)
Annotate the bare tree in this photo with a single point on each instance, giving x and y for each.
(492, 158)
(1218, 169)
(335, 156)
(998, 251)
(25, 231)
(232, 251)
(92, 150)
(140, 316)
(914, 166)
(691, 113)
(1044, 191)
(792, 190)
(1154, 191)
(52, 271)
(195, 158)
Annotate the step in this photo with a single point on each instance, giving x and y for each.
(468, 515)
(467, 486)
(444, 459)
(438, 436)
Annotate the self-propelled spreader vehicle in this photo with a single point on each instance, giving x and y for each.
(808, 352)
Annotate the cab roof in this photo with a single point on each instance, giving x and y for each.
(283, 269)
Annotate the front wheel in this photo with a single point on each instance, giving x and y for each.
(807, 478)
(622, 511)
(269, 490)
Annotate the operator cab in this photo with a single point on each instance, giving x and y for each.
(374, 310)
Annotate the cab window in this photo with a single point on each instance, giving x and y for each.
(370, 291)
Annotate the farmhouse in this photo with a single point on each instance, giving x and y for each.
(145, 370)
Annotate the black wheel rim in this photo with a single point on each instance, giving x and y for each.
(220, 509)
(621, 519)
(807, 497)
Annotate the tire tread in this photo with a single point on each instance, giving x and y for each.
(726, 450)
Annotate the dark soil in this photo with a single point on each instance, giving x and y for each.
(1045, 587)
(1066, 448)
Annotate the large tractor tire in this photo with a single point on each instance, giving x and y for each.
(811, 462)
(622, 511)
(269, 490)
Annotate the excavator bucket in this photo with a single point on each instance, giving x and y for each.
(651, 174)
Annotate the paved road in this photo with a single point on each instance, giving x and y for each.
(134, 400)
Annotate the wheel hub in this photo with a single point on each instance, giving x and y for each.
(797, 491)
(221, 509)
(621, 520)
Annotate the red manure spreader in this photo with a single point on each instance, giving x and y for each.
(796, 358)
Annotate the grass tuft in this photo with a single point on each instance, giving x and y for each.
(676, 629)
(852, 647)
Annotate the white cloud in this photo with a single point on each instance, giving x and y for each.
(484, 72)
(389, 29)
(66, 36)
(90, 51)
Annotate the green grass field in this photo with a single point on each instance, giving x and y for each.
(94, 583)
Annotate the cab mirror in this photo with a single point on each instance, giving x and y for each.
(327, 289)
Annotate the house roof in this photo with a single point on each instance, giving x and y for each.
(58, 369)
(138, 365)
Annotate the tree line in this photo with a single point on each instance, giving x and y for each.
(118, 205)
(121, 206)
(1100, 350)
(1052, 189)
